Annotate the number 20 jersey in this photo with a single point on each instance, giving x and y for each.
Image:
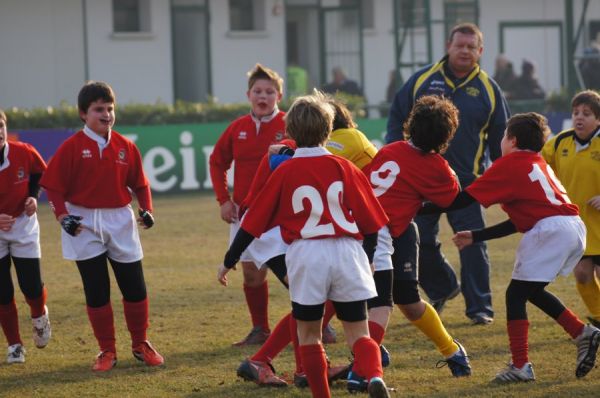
(526, 187)
(316, 195)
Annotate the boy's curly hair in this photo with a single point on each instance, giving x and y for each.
(432, 123)
(260, 72)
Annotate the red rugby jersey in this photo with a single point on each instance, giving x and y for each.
(242, 143)
(21, 160)
(403, 177)
(85, 177)
(526, 187)
(314, 196)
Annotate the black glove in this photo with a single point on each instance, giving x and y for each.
(146, 217)
(286, 150)
(71, 223)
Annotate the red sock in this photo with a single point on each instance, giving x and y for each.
(36, 305)
(367, 358)
(103, 324)
(518, 331)
(315, 364)
(258, 304)
(280, 337)
(296, 345)
(9, 320)
(570, 323)
(376, 331)
(136, 317)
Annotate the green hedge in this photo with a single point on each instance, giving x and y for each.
(67, 116)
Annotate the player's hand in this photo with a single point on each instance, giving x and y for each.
(228, 212)
(71, 224)
(274, 149)
(463, 239)
(145, 219)
(6, 222)
(222, 274)
(595, 202)
(30, 206)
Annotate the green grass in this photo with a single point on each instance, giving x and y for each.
(194, 321)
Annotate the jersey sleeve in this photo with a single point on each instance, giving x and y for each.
(263, 208)
(443, 188)
(494, 186)
(136, 178)
(37, 163)
(219, 162)
(497, 123)
(260, 179)
(549, 152)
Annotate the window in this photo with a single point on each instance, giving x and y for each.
(366, 11)
(412, 13)
(459, 11)
(131, 16)
(246, 15)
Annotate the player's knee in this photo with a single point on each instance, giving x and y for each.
(253, 276)
(406, 292)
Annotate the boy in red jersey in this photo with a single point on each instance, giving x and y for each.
(553, 241)
(21, 168)
(89, 183)
(403, 175)
(245, 142)
(324, 206)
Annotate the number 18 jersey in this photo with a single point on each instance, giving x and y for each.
(526, 187)
(316, 195)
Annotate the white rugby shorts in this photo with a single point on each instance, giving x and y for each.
(552, 247)
(113, 231)
(336, 268)
(23, 239)
(269, 245)
(382, 260)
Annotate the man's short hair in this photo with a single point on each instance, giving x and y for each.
(589, 98)
(260, 72)
(466, 28)
(309, 120)
(530, 130)
(93, 91)
(431, 123)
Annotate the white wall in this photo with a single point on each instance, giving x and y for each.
(233, 54)
(41, 52)
(137, 66)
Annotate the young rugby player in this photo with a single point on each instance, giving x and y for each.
(89, 183)
(553, 241)
(324, 205)
(21, 168)
(574, 155)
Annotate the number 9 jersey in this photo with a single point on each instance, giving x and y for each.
(526, 187)
(316, 195)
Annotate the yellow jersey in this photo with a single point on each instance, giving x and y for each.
(578, 169)
(353, 145)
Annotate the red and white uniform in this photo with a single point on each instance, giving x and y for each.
(403, 177)
(20, 161)
(245, 141)
(323, 204)
(95, 177)
(537, 204)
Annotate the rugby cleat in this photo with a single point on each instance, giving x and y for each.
(16, 354)
(385, 356)
(377, 388)
(105, 361)
(262, 373)
(41, 329)
(356, 383)
(146, 353)
(257, 336)
(587, 347)
(329, 335)
(512, 374)
(458, 363)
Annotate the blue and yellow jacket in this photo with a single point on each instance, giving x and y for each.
(482, 120)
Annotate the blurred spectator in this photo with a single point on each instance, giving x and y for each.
(505, 75)
(392, 87)
(342, 84)
(589, 66)
(527, 86)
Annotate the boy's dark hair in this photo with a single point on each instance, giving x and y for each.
(309, 120)
(343, 116)
(467, 28)
(530, 130)
(93, 91)
(431, 123)
(589, 98)
(3, 116)
(260, 72)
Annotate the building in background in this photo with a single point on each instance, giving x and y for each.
(192, 50)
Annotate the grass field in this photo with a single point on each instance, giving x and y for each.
(194, 321)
